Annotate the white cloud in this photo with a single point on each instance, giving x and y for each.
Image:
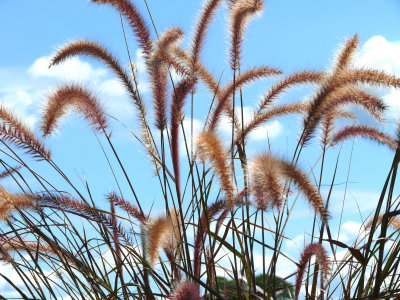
(9, 271)
(24, 91)
(270, 129)
(23, 98)
(175, 76)
(140, 68)
(112, 87)
(139, 62)
(381, 54)
(30, 86)
(351, 227)
(197, 127)
(392, 100)
(356, 201)
(20, 103)
(285, 266)
(143, 83)
(73, 69)
(296, 244)
(349, 232)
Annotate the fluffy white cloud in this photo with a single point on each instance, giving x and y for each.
(9, 271)
(21, 103)
(349, 232)
(392, 100)
(112, 87)
(381, 54)
(24, 90)
(72, 69)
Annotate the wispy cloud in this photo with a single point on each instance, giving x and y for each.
(357, 201)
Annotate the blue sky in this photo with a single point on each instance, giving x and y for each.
(290, 35)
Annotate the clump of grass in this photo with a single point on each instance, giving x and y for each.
(214, 208)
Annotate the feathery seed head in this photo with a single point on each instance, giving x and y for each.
(95, 50)
(209, 148)
(265, 182)
(72, 96)
(164, 47)
(186, 290)
(393, 222)
(15, 132)
(15, 244)
(322, 259)
(241, 13)
(160, 233)
(289, 81)
(127, 206)
(266, 173)
(9, 172)
(365, 132)
(170, 38)
(181, 91)
(351, 95)
(10, 202)
(261, 117)
(158, 71)
(345, 55)
(136, 21)
(302, 181)
(176, 225)
(207, 13)
(224, 95)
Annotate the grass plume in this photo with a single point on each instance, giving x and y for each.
(159, 72)
(207, 13)
(266, 172)
(303, 77)
(12, 130)
(345, 55)
(209, 148)
(72, 96)
(10, 202)
(159, 234)
(243, 79)
(365, 132)
(131, 209)
(241, 13)
(322, 259)
(186, 290)
(136, 22)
